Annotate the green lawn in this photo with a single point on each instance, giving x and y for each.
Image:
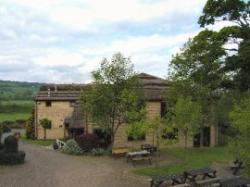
(15, 110)
(188, 159)
(13, 116)
(38, 142)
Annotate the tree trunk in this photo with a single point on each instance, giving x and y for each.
(86, 124)
(186, 134)
(158, 148)
(201, 137)
(44, 130)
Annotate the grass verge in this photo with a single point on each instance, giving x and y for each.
(38, 142)
(189, 159)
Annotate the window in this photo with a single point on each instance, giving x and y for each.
(72, 103)
(170, 135)
(137, 138)
(48, 104)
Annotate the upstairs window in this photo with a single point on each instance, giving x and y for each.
(48, 103)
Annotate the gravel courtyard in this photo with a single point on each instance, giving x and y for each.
(44, 167)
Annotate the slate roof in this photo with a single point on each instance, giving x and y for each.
(153, 88)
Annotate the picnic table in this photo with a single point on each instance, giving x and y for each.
(138, 155)
(235, 182)
(237, 166)
(204, 172)
(173, 179)
(148, 147)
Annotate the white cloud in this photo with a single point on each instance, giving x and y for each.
(64, 40)
(91, 14)
(55, 57)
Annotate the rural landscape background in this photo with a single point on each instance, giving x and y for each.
(16, 101)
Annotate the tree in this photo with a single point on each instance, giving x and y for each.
(240, 117)
(116, 97)
(238, 12)
(86, 105)
(187, 116)
(196, 72)
(46, 124)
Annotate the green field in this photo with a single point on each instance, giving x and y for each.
(15, 110)
(16, 100)
(188, 159)
(13, 116)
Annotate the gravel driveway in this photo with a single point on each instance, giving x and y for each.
(48, 168)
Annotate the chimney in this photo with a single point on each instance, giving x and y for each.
(55, 88)
(48, 92)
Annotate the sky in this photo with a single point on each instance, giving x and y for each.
(63, 41)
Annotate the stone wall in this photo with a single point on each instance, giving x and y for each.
(56, 113)
(121, 138)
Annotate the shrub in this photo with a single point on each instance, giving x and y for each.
(5, 128)
(88, 141)
(98, 152)
(30, 126)
(136, 131)
(11, 144)
(11, 158)
(10, 155)
(71, 147)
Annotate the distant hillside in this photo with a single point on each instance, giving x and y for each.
(13, 90)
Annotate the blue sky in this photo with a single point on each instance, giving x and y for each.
(62, 41)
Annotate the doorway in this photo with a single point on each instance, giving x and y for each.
(206, 138)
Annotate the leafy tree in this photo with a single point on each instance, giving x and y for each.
(116, 97)
(240, 117)
(86, 105)
(46, 124)
(137, 130)
(187, 116)
(237, 11)
(196, 72)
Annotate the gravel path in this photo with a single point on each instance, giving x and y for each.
(48, 168)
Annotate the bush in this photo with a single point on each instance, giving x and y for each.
(10, 155)
(136, 131)
(30, 126)
(11, 158)
(98, 152)
(71, 147)
(5, 128)
(11, 144)
(88, 141)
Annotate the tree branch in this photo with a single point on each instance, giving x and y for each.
(230, 49)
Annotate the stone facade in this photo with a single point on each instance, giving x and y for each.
(56, 113)
(61, 98)
(121, 138)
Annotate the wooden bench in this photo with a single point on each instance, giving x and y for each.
(203, 172)
(119, 151)
(148, 147)
(136, 159)
(173, 179)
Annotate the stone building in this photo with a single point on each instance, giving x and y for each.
(60, 104)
